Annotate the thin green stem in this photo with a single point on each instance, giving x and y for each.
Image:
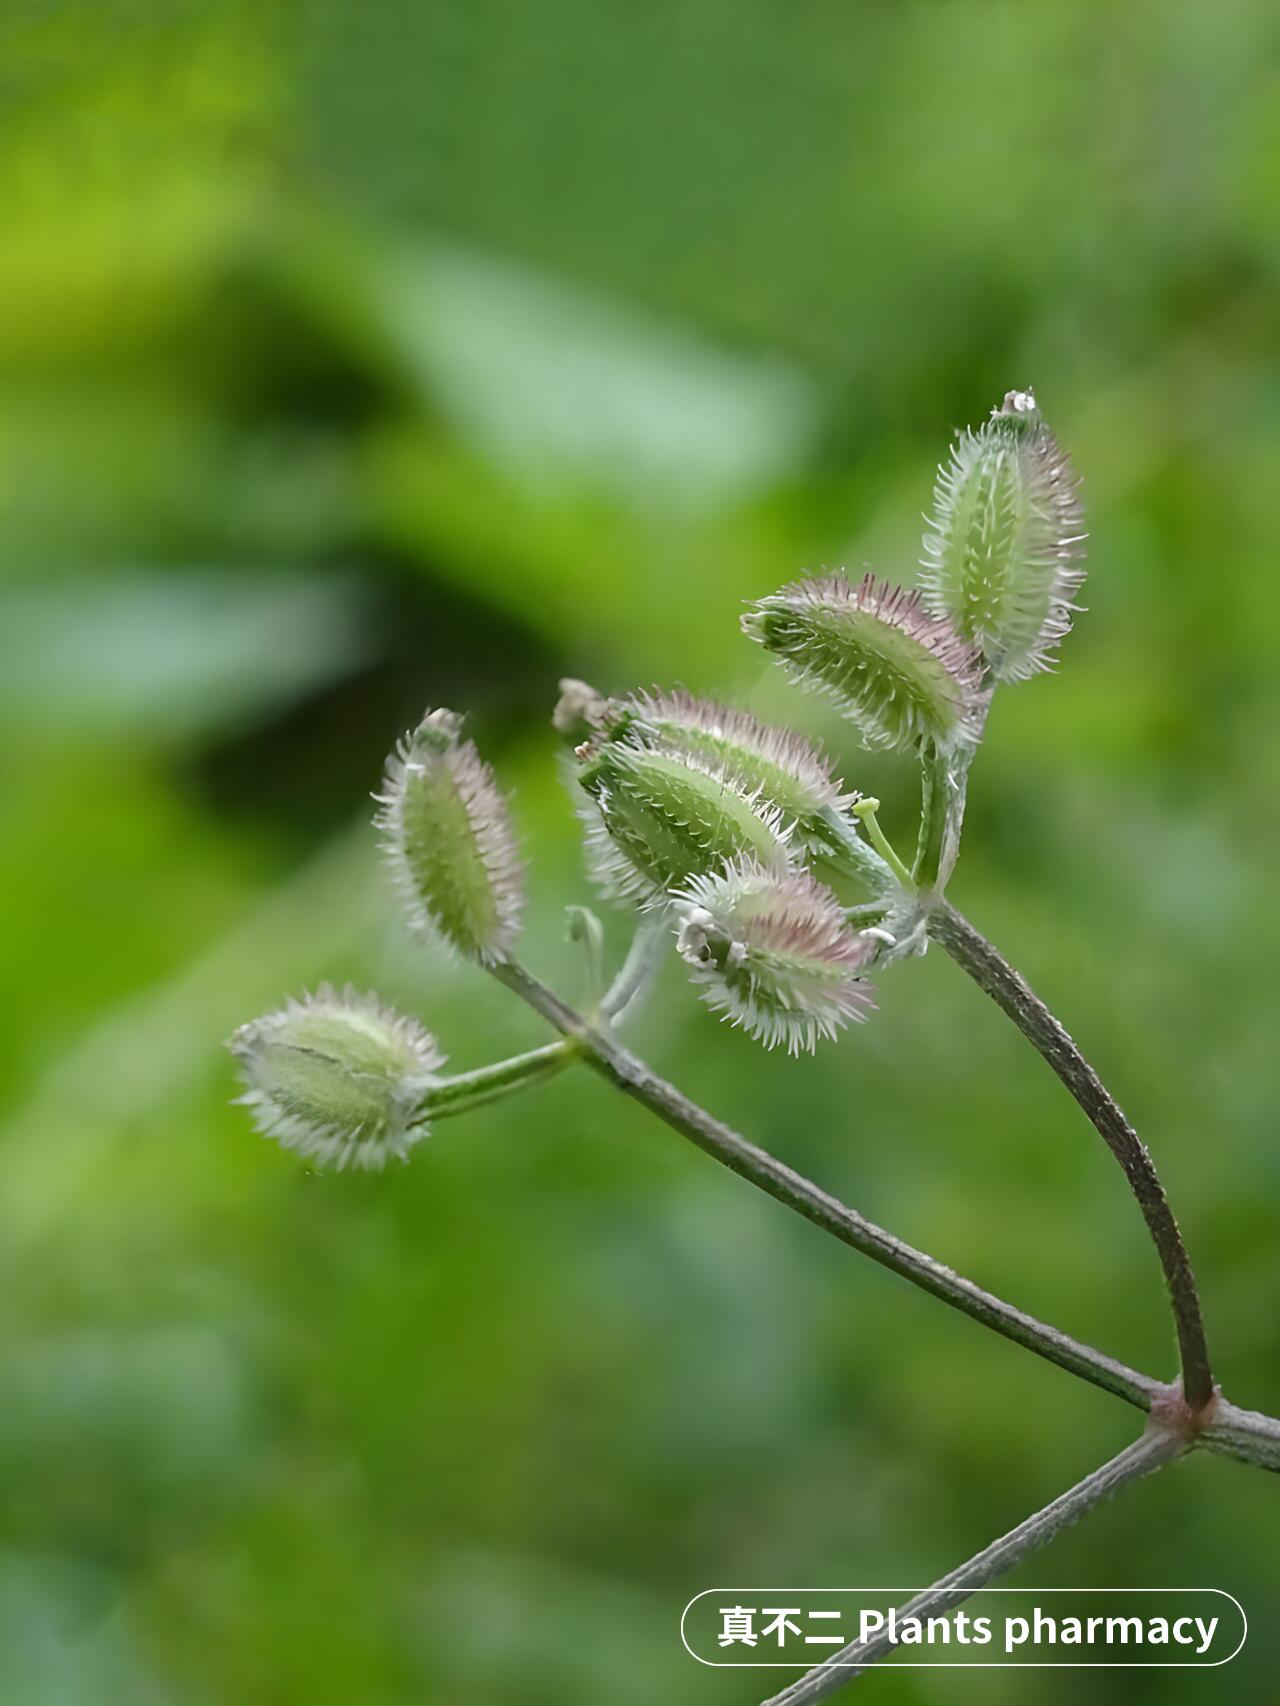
(933, 820)
(1156, 1447)
(609, 1057)
(583, 926)
(846, 849)
(636, 973)
(463, 1091)
(866, 810)
(1014, 996)
(466, 1090)
(871, 912)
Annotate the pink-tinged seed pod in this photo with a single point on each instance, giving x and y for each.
(1003, 555)
(339, 1079)
(902, 676)
(449, 841)
(656, 818)
(774, 953)
(786, 769)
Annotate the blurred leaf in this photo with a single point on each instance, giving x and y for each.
(165, 658)
(561, 388)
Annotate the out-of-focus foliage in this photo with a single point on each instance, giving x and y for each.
(359, 358)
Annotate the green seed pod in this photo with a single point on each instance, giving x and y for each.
(774, 953)
(338, 1078)
(449, 841)
(901, 676)
(655, 819)
(1003, 554)
(783, 767)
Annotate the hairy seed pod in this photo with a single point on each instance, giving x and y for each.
(902, 676)
(338, 1078)
(1003, 556)
(655, 819)
(774, 953)
(780, 765)
(449, 841)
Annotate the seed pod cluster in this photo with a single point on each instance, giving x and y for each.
(709, 815)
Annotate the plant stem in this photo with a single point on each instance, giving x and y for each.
(1156, 1447)
(1015, 997)
(851, 853)
(466, 1090)
(869, 913)
(631, 1075)
(583, 926)
(1246, 1435)
(944, 781)
(632, 982)
(866, 810)
(933, 820)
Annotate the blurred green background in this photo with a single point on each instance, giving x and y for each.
(360, 357)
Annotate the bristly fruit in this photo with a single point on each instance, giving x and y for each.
(774, 953)
(656, 819)
(1004, 551)
(340, 1079)
(789, 771)
(901, 675)
(449, 841)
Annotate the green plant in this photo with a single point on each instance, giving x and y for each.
(782, 895)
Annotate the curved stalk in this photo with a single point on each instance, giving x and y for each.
(1155, 1448)
(865, 811)
(631, 984)
(463, 1091)
(1014, 996)
(944, 788)
(851, 853)
(601, 1049)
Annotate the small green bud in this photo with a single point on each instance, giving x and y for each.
(340, 1079)
(656, 819)
(1003, 554)
(902, 676)
(774, 953)
(449, 841)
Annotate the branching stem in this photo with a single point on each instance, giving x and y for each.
(1014, 996)
(608, 1055)
(636, 973)
(463, 1091)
